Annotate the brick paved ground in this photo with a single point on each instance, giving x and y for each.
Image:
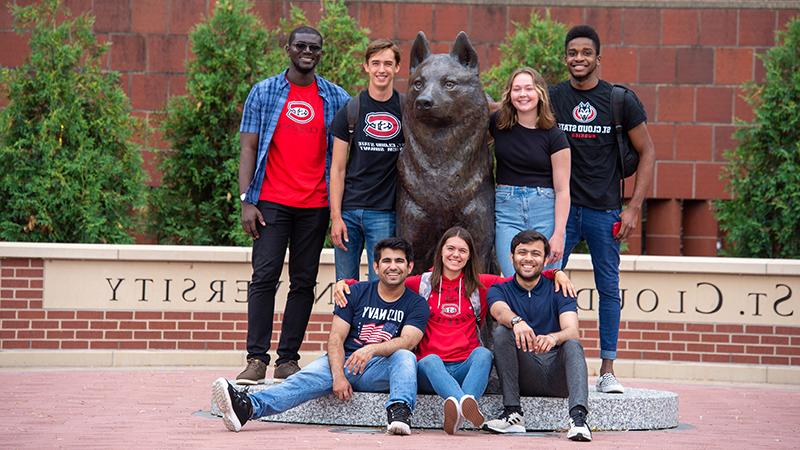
(167, 408)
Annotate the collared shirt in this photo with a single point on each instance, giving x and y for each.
(540, 307)
(263, 108)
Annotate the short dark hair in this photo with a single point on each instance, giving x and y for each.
(379, 45)
(528, 236)
(303, 29)
(582, 31)
(394, 243)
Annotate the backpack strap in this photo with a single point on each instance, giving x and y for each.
(353, 106)
(617, 106)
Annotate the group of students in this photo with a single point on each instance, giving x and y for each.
(558, 183)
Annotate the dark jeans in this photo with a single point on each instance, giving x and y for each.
(303, 231)
(561, 372)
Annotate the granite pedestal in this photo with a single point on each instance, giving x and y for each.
(636, 409)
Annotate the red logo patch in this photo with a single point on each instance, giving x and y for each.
(383, 126)
(300, 112)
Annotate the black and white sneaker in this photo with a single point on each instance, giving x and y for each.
(578, 428)
(236, 406)
(510, 421)
(398, 419)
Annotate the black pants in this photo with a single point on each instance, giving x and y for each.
(303, 231)
(561, 372)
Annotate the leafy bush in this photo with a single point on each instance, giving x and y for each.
(70, 170)
(344, 43)
(763, 172)
(198, 201)
(539, 45)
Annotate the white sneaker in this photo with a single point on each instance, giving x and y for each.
(506, 423)
(608, 384)
(471, 411)
(579, 430)
(452, 416)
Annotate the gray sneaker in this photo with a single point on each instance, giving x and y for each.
(608, 384)
(254, 373)
(285, 370)
(508, 422)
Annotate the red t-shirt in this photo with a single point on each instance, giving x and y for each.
(295, 172)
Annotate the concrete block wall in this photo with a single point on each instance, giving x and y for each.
(686, 64)
(25, 325)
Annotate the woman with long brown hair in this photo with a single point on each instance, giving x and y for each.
(533, 167)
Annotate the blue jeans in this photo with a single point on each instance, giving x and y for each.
(364, 226)
(396, 374)
(594, 225)
(520, 208)
(454, 379)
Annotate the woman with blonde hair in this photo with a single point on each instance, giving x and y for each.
(533, 167)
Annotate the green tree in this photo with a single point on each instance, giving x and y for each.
(539, 44)
(71, 172)
(198, 200)
(763, 172)
(344, 44)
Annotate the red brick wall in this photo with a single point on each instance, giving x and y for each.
(24, 325)
(685, 64)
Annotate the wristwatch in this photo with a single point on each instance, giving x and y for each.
(515, 320)
(242, 196)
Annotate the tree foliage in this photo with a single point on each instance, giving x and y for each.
(763, 172)
(198, 200)
(539, 44)
(70, 171)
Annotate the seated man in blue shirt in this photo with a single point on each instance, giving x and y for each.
(368, 350)
(536, 348)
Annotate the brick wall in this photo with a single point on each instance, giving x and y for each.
(25, 325)
(686, 65)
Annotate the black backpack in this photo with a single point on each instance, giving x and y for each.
(628, 157)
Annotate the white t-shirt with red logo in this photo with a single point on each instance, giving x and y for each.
(295, 172)
(371, 174)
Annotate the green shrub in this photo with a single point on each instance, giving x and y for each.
(198, 200)
(344, 43)
(763, 172)
(539, 45)
(70, 170)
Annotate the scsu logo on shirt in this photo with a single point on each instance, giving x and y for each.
(382, 125)
(584, 112)
(300, 112)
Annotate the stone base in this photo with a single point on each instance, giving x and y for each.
(636, 409)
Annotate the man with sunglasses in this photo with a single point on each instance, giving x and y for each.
(284, 164)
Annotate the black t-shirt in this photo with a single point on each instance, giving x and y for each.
(371, 175)
(523, 154)
(585, 116)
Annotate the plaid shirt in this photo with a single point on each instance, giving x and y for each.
(263, 108)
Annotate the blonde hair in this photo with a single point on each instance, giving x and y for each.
(507, 116)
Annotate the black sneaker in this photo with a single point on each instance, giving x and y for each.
(236, 406)
(398, 419)
(510, 421)
(578, 428)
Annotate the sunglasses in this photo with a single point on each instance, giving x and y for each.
(302, 46)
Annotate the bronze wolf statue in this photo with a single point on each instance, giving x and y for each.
(445, 170)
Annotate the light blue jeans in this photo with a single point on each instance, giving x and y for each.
(365, 227)
(519, 208)
(454, 379)
(595, 225)
(395, 374)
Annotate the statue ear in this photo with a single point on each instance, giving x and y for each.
(419, 51)
(464, 53)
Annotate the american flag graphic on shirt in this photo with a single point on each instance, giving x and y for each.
(372, 333)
